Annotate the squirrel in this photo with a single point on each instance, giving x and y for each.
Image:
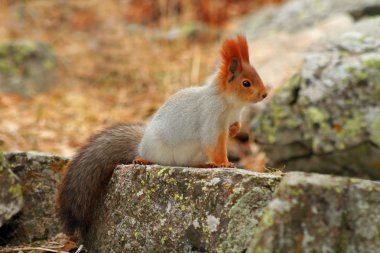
(190, 129)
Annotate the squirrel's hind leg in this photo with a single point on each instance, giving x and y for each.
(234, 129)
(141, 161)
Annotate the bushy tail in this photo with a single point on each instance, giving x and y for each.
(89, 172)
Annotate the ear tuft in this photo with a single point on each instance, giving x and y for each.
(243, 46)
(234, 52)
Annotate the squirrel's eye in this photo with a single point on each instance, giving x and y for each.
(246, 83)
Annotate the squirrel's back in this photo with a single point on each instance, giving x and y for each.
(192, 127)
(189, 121)
(89, 171)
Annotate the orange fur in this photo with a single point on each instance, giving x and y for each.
(234, 129)
(233, 48)
(241, 41)
(231, 83)
(229, 51)
(218, 154)
(141, 161)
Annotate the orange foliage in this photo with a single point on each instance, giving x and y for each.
(211, 12)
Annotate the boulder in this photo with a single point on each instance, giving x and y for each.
(320, 213)
(327, 117)
(280, 35)
(11, 200)
(39, 176)
(296, 15)
(168, 209)
(26, 67)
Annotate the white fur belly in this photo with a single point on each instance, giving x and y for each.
(189, 155)
(186, 154)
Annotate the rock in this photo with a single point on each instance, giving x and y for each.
(320, 213)
(279, 55)
(26, 67)
(280, 35)
(327, 118)
(39, 177)
(295, 15)
(167, 209)
(11, 200)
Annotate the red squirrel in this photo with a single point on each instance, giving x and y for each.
(190, 129)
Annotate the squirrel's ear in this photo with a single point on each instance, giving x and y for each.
(243, 46)
(233, 68)
(231, 60)
(234, 65)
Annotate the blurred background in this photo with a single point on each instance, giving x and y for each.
(69, 68)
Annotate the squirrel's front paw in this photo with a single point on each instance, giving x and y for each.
(207, 165)
(227, 165)
(234, 129)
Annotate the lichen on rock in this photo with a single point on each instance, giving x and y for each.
(310, 212)
(302, 14)
(326, 119)
(26, 67)
(167, 209)
(38, 175)
(11, 199)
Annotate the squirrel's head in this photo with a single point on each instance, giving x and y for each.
(236, 74)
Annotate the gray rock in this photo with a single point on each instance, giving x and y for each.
(39, 176)
(300, 14)
(320, 213)
(11, 200)
(327, 118)
(166, 209)
(281, 35)
(26, 67)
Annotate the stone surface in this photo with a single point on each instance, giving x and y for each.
(26, 67)
(277, 55)
(327, 118)
(320, 213)
(167, 209)
(38, 174)
(296, 15)
(11, 200)
(280, 35)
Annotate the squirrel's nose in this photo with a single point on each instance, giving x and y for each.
(264, 95)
